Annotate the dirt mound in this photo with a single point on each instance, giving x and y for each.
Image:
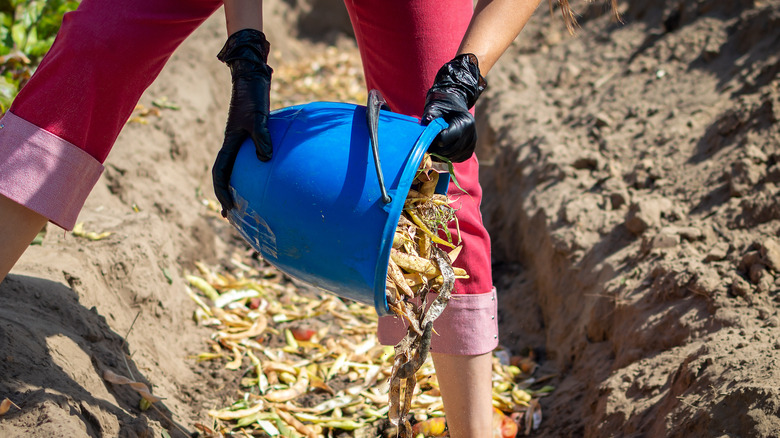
(631, 178)
(70, 303)
(74, 308)
(631, 196)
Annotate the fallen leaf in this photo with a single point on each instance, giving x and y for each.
(139, 387)
(6, 404)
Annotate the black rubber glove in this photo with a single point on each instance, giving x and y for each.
(246, 53)
(456, 88)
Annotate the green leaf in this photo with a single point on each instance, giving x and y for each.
(144, 404)
(39, 48)
(544, 390)
(167, 275)
(32, 39)
(51, 18)
(8, 90)
(31, 13)
(6, 20)
(164, 103)
(451, 169)
(19, 35)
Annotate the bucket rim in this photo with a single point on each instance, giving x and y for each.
(351, 107)
(395, 208)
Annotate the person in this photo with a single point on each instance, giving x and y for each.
(428, 59)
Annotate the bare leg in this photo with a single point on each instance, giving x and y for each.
(467, 393)
(18, 227)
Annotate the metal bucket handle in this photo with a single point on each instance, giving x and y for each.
(375, 103)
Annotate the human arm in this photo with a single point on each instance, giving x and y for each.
(458, 84)
(495, 24)
(246, 53)
(243, 14)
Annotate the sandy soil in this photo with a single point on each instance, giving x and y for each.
(630, 176)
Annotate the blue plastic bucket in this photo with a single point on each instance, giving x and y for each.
(315, 210)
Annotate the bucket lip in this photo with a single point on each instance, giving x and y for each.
(351, 107)
(396, 207)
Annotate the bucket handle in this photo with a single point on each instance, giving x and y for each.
(375, 103)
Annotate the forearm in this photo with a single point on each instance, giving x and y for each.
(243, 14)
(496, 23)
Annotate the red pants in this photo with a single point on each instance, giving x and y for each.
(403, 45)
(63, 124)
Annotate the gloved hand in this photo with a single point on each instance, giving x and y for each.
(246, 53)
(456, 88)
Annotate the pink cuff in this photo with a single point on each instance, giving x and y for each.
(44, 172)
(468, 326)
